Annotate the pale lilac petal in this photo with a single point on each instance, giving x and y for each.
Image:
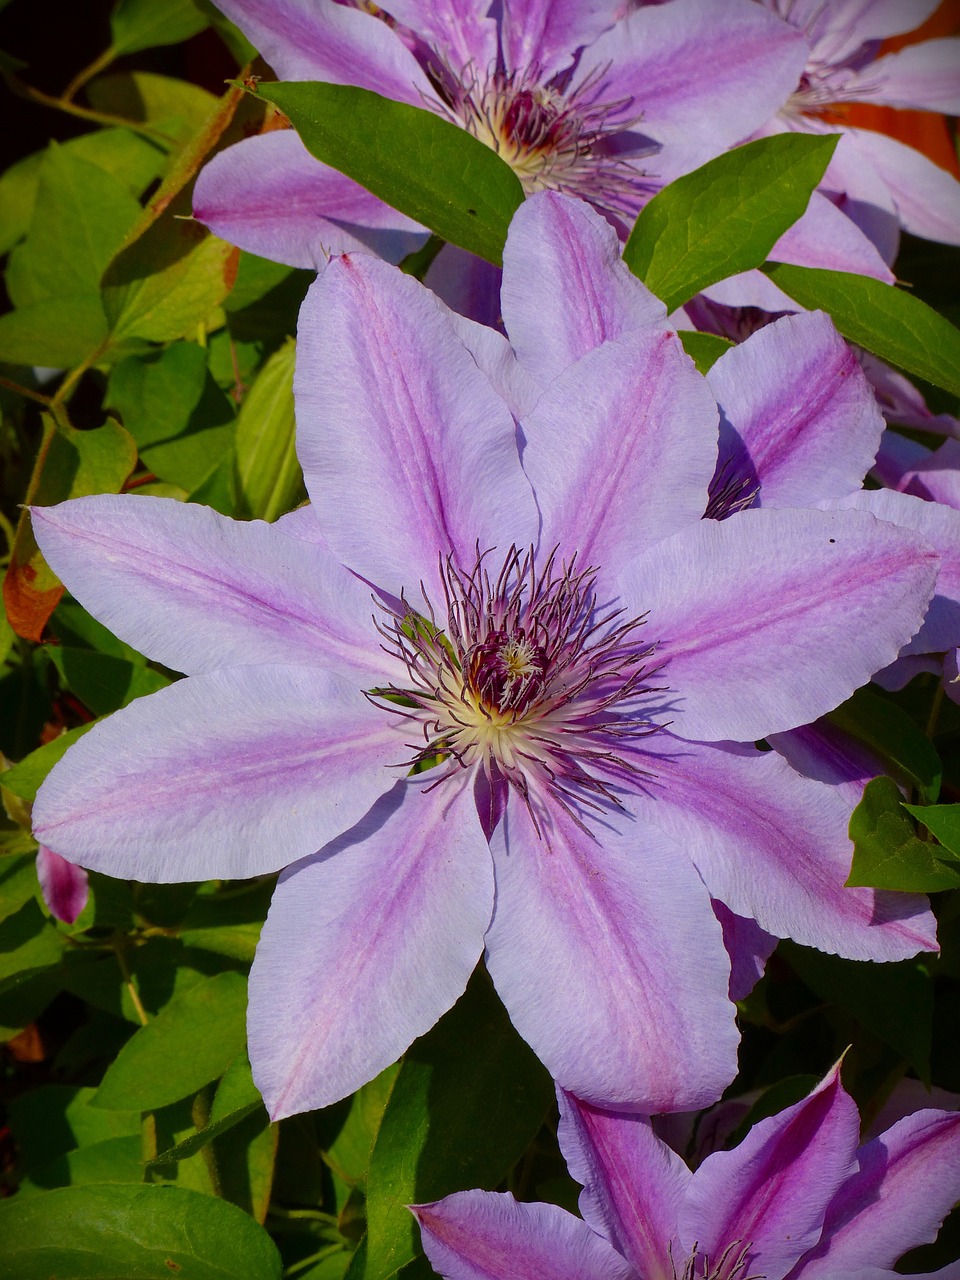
(749, 948)
(895, 456)
(773, 846)
(324, 40)
(861, 194)
(633, 1184)
(429, 458)
(899, 674)
(656, 59)
(196, 590)
(750, 289)
(927, 198)
(458, 29)
(940, 527)
(610, 961)
(64, 887)
(827, 238)
(824, 752)
(547, 33)
(496, 358)
(925, 77)
(366, 945)
(869, 19)
(907, 1183)
(903, 404)
(225, 775)
(302, 524)
(908, 1097)
(566, 288)
(744, 612)
(805, 414)
(485, 1235)
(621, 448)
(268, 195)
(768, 1196)
(470, 286)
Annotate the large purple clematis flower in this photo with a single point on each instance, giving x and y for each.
(580, 98)
(540, 614)
(798, 1199)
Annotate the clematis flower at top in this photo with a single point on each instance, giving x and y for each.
(579, 98)
(494, 691)
(798, 1199)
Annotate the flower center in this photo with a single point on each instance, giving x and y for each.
(552, 140)
(731, 1265)
(527, 678)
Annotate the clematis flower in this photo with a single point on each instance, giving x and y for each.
(798, 1199)
(578, 98)
(495, 690)
(880, 182)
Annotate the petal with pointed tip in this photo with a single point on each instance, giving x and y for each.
(366, 945)
(226, 775)
(610, 961)
(197, 591)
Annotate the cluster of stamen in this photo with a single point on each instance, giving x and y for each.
(525, 676)
(730, 1265)
(553, 140)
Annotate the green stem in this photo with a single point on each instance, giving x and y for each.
(100, 63)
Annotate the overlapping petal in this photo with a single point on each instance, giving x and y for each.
(605, 951)
(620, 449)
(904, 1187)
(398, 429)
(773, 846)
(197, 591)
(483, 1235)
(633, 1184)
(767, 1198)
(268, 195)
(547, 33)
(566, 288)
(391, 916)
(755, 62)
(461, 30)
(924, 77)
(801, 410)
(229, 774)
(745, 611)
(927, 198)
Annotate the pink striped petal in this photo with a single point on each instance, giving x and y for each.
(64, 887)
(230, 774)
(388, 922)
(610, 961)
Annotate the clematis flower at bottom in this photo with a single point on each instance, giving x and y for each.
(541, 622)
(798, 1199)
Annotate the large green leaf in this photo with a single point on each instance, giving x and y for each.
(895, 739)
(236, 1098)
(123, 1232)
(426, 167)
(889, 322)
(469, 1098)
(56, 333)
(726, 216)
(190, 1042)
(24, 779)
(887, 853)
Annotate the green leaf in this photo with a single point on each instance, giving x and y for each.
(113, 1160)
(190, 1042)
(54, 1119)
(24, 779)
(145, 24)
(18, 882)
(119, 1232)
(28, 944)
(468, 1099)
(893, 736)
(942, 820)
(80, 218)
(269, 478)
(894, 1002)
(887, 854)
(888, 321)
(426, 167)
(55, 333)
(704, 349)
(101, 682)
(726, 216)
(228, 922)
(236, 1098)
(182, 422)
(175, 107)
